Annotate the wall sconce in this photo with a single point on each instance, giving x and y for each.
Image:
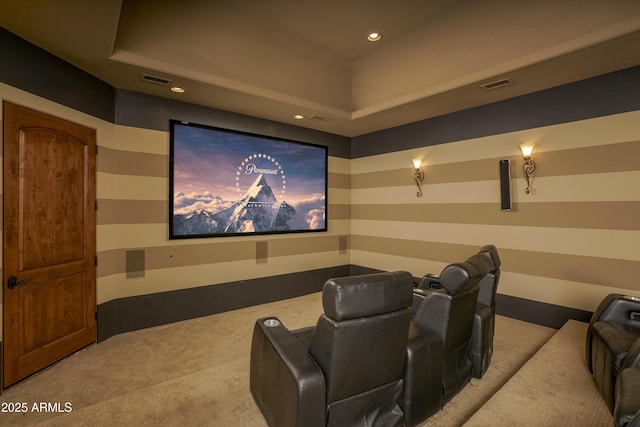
(418, 175)
(529, 166)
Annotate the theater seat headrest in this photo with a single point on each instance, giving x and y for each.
(367, 294)
(483, 264)
(491, 253)
(455, 277)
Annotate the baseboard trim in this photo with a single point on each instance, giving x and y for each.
(550, 315)
(144, 311)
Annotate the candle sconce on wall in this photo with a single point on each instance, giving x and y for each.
(418, 175)
(529, 166)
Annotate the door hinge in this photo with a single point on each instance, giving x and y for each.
(96, 148)
(95, 260)
(96, 205)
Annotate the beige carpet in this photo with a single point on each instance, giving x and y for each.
(196, 373)
(515, 343)
(554, 388)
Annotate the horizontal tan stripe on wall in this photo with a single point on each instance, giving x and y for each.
(601, 215)
(598, 159)
(339, 211)
(118, 236)
(618, 244)
(420, 249)
(113, 261)
(339, 180)
(110, 262)
(587, 160)
(112, 211)
(135, 163)
(129, 187)
(121, 162)
(477, 170)
(601, 271)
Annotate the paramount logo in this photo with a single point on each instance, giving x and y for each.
(251, 169)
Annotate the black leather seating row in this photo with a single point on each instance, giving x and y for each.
(444, 317)
(612, 353)
(370, 360)
(484, 318)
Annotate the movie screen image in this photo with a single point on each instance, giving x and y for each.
(229, 183)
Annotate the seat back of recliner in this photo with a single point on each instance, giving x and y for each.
(450, 315)
(360, 341)
(489, 284)
(487, 260)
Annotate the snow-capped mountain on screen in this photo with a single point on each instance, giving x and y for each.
(257, 211)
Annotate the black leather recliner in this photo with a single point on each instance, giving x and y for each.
(444, 319)
(484, 319)
(613, 342)
(349, 368)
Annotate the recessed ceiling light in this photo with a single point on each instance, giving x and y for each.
(177, 89)
(298, 117)
(374, 37)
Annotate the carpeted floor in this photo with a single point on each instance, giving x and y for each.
(554, 388)
(515, 343)
(196, 373)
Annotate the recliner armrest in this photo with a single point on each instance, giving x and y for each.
(422, 396)
(482, 340)
(285, 381)
(622, 309)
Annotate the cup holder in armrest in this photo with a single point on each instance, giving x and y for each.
(271, 323)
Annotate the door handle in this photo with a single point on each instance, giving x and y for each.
(12, 282)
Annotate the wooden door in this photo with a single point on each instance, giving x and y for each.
(49, 240)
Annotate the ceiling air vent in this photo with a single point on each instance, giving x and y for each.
(318, 118)
(155, 79)
(497, 84)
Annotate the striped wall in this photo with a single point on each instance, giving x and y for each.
(571, 242)
(133, 215)
(132, 193)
